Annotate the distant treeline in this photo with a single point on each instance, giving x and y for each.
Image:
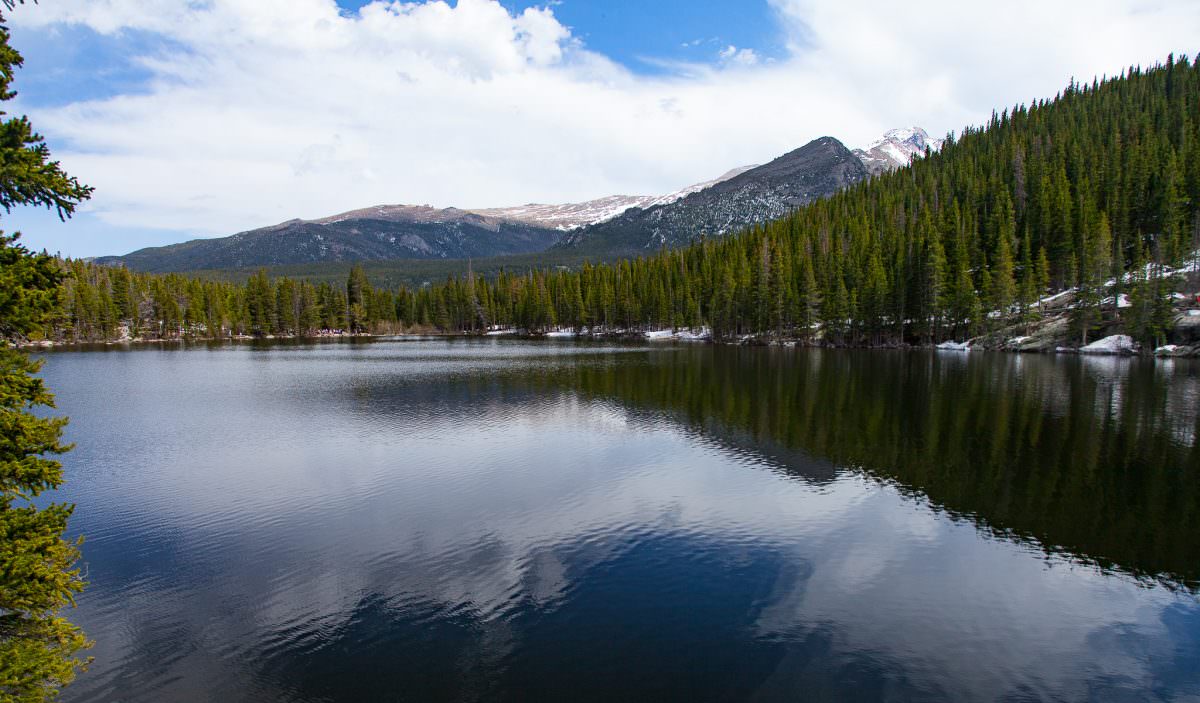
(1097, 189)
(104, 303)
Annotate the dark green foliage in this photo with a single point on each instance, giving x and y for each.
(38, 647)
(102, 303)
(359, 300)
(29, 290)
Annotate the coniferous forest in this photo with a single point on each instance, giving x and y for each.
(1096, 190)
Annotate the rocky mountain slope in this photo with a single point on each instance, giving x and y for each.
(386, 232)
(616, 225)
(763, 193)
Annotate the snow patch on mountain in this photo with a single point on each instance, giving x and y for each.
(897, 148)
(569, 216)
(697, 187)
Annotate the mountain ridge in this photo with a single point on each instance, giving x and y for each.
(815, 170)
(607, 226)
(569, 216)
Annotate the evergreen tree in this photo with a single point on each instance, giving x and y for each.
(1003, 289)
(357, 288)
(39, 649)
(260, 303)
(1096, 266)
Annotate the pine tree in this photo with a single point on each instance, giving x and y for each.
(1003, 286)
(1095, 269)
(1041, 275)
(932, 283)
(806, 298)
(39, 649)
(357, 288)
(260, 303)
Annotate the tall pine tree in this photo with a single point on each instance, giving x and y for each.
(39, 649)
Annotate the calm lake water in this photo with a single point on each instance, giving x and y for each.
(491, 520)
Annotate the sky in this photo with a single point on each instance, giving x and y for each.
(202, 118)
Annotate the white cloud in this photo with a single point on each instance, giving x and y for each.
(741, 57)
(957, 61)
(273, 109)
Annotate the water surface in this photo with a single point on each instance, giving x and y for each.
(506, 520)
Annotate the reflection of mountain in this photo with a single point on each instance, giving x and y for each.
(1000, 440)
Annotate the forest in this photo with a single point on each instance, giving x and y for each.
(1096, 190)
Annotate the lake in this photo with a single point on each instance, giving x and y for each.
(511, 520)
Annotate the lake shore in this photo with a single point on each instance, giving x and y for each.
(1053, 333)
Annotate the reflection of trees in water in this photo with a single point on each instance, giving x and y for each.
(1095, 457)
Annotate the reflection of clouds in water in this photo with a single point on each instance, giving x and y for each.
(545, 579)
(863, 553)
(953, 608)
(919, 589)
(381, 499)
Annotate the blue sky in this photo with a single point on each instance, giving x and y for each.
(73, 63)
(199, 119)
(648, 37)
(642, 35)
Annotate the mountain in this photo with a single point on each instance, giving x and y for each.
(816, 170)
(383, 232)
(896, 149)
(567, 216)
(389, 232)
(570, 216)
(611, 226)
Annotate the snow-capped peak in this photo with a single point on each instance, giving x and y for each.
(897, 148)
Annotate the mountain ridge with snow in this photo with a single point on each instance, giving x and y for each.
(611, 225)
(897, 148)
(569, 216)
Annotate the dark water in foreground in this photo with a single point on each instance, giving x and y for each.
(503, 520)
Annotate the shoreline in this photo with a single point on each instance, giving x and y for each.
(1018, 345)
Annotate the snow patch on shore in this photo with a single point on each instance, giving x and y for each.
(955, 346)
(702, 334)
(1113, 344)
